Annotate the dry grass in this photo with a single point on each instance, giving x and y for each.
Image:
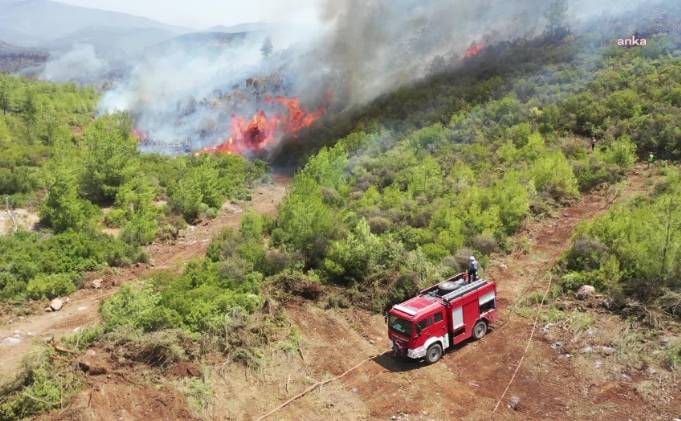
(198, 392)
(282, 376)
(156, 349)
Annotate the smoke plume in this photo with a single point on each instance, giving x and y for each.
(186, 95)
(79, 64)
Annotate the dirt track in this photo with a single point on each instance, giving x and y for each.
(467, 383)
(83, 307)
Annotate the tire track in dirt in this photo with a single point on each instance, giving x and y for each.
(83, 306)
(467, 382)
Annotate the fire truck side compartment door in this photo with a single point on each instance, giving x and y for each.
(471, 313)
(486, 298)
(457, 319)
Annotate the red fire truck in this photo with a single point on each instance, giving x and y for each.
(441, 317)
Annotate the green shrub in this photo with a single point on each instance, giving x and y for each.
(512, 196)
(135, 211)
(675, 97)
(141, 229)
(186, 198)
(110, 158)
(199, 184)
(25, 256)
(553, 174)
(305, 222)
(673, 355)
(355, 257)
(116, 218)
(624, 104)
(198, 300)
(48, 383)
(572, 281)
(254, 225)
(157, 349)
(137, 308)
(414, 237)
(633, 249)
(64, 209)
(16, 180)
(12, 288)
(84, 338)
(622, 153)
(592, 172)
(434, 252)
(50, 286)
(196, 191)
(586, 254)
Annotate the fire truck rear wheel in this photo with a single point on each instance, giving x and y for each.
(480, 329)
(434, 353)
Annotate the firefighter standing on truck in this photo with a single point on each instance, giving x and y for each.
(472, 269)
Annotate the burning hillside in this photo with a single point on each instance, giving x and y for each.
(246, 95)
(261, 132)
(474, 50)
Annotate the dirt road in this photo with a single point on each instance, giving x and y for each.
(467, 383)
(17, 336)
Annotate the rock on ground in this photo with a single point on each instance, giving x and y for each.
(585, 291)
(93, 363)
(56, 304)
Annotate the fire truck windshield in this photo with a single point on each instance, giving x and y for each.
(400, 325)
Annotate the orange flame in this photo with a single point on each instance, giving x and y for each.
(474, 50)
(262, 131)
(141, 135)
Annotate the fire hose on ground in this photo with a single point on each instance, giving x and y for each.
(356, 366)
(315, 386)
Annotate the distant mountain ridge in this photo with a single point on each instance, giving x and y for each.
(47, 23)
(14, 58)
(200, 38)
(62, 42)
(246, 27)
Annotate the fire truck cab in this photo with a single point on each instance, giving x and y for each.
(441, 317)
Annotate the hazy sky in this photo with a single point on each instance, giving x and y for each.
(201, 14)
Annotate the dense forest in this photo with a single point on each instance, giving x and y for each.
(394, 196)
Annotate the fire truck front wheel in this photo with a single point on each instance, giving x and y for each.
(480, 329)
(434, 353)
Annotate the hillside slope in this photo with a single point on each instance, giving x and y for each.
(19, 335)
(464, 385)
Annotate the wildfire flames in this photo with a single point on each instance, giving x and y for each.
(262, 131)
(140, 135)
(474, 50)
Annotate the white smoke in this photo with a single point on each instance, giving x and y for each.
(80, 64)
(183, 95)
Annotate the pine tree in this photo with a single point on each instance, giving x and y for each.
(556, 15)
(267, 47)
